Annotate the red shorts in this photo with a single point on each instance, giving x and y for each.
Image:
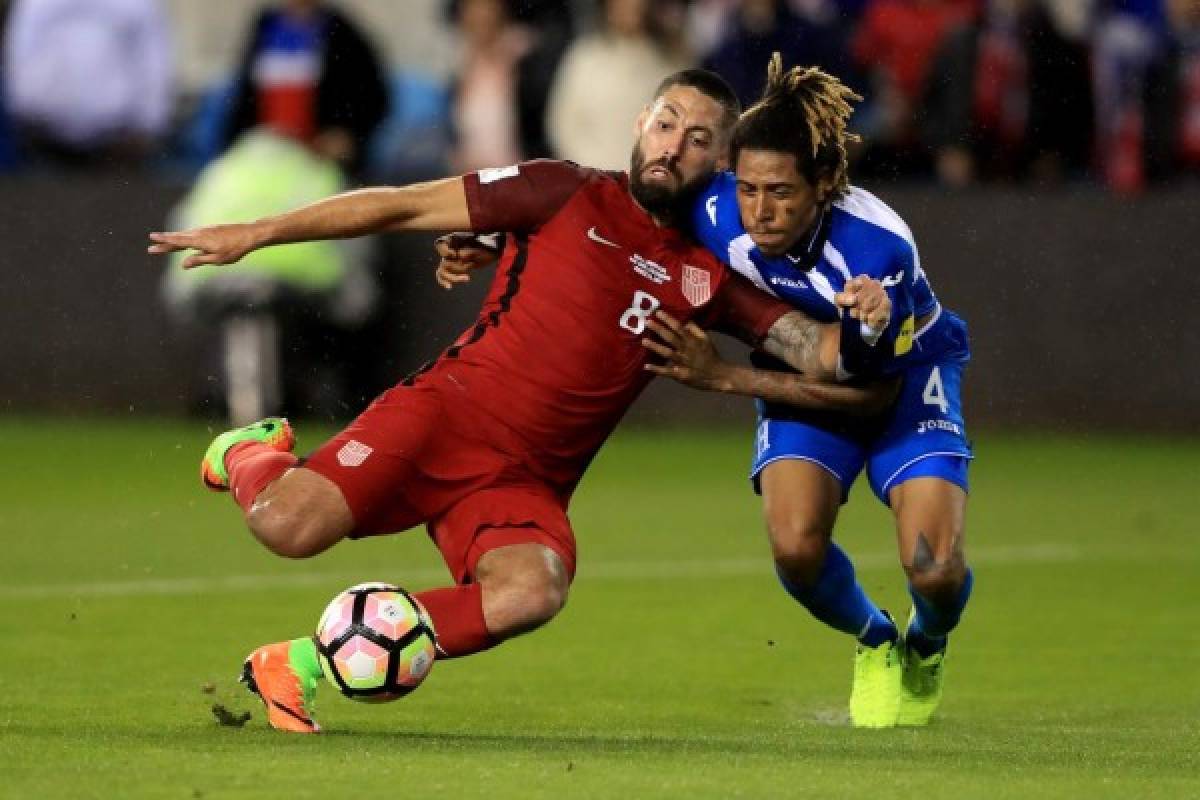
(415, 456)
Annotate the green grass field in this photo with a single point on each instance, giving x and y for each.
(678, 669)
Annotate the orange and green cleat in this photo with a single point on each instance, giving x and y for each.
(282, 678)
(274, 432)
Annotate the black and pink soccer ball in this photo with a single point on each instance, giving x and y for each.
(376, 642)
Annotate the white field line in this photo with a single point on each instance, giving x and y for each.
(1046, 553)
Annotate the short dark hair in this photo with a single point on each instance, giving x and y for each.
(803, 112)
(707, 83)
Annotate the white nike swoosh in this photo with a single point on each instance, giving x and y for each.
(595, 237)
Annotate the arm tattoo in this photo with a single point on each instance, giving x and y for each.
(795, 338)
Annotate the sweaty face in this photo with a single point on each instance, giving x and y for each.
(777, 204)
(681, 142)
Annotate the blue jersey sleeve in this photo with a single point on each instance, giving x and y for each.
(715, 219)
(891, 260)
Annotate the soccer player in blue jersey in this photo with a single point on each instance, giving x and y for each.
(789, 220)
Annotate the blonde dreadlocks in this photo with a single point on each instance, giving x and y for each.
(803, 111)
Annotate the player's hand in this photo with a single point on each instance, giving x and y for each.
(459, 254)
(688, 353)
(866, 300)
(215, 244)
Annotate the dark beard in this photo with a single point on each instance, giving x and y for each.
(672, 206)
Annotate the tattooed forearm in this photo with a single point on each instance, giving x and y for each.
(796, 339)
(796, 390)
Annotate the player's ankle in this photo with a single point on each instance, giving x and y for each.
(303, 659)
(879, 629)
(923, 644)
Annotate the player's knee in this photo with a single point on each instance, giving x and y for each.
(798, 546)
(523, 594)
(940, 579)
(512, 609)
(539, 602)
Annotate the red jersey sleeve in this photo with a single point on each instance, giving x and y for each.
(522, 197)
(742, 310)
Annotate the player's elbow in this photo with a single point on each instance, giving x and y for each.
(822, 364)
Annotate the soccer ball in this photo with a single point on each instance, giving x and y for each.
(376, 642)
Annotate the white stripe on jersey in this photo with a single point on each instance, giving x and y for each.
(739, 259)
(937, 312)
(822, 285)
(866, 206)
(836, 260)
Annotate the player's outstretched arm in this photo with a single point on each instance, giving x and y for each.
(432, 206)
(690, 357)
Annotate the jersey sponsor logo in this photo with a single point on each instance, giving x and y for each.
(595, 237)
(787, 283)
(904, 339)
(892, 280)
(927, 425)
(697, 285)
(498, 173)
(648, 269)
(710, 205)
(353, 453)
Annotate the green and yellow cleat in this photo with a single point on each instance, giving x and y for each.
(875, 695)
(921, 689)
(274, 432)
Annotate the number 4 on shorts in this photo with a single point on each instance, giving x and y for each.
(934, 394)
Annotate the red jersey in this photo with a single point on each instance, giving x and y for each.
(555, 356)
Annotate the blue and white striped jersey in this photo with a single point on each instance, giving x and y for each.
(858, 235)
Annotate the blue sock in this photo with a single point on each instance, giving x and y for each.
(837, 600)
(932, 622)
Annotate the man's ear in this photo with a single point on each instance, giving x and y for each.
(723, 161)
(825, 186)
(640, 122)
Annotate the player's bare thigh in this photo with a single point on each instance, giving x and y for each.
(930, 517)
(301, 514)
(801, 500)
(524, 586)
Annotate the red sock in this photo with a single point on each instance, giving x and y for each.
(457, 614)
(253, 465)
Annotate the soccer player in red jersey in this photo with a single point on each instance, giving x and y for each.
(486, 443)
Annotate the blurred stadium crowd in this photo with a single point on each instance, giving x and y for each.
(129, 115)
(956, 91)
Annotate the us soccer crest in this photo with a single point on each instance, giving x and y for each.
(696, 285)
(353, 453)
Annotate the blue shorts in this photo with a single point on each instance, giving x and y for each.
(923, 437)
